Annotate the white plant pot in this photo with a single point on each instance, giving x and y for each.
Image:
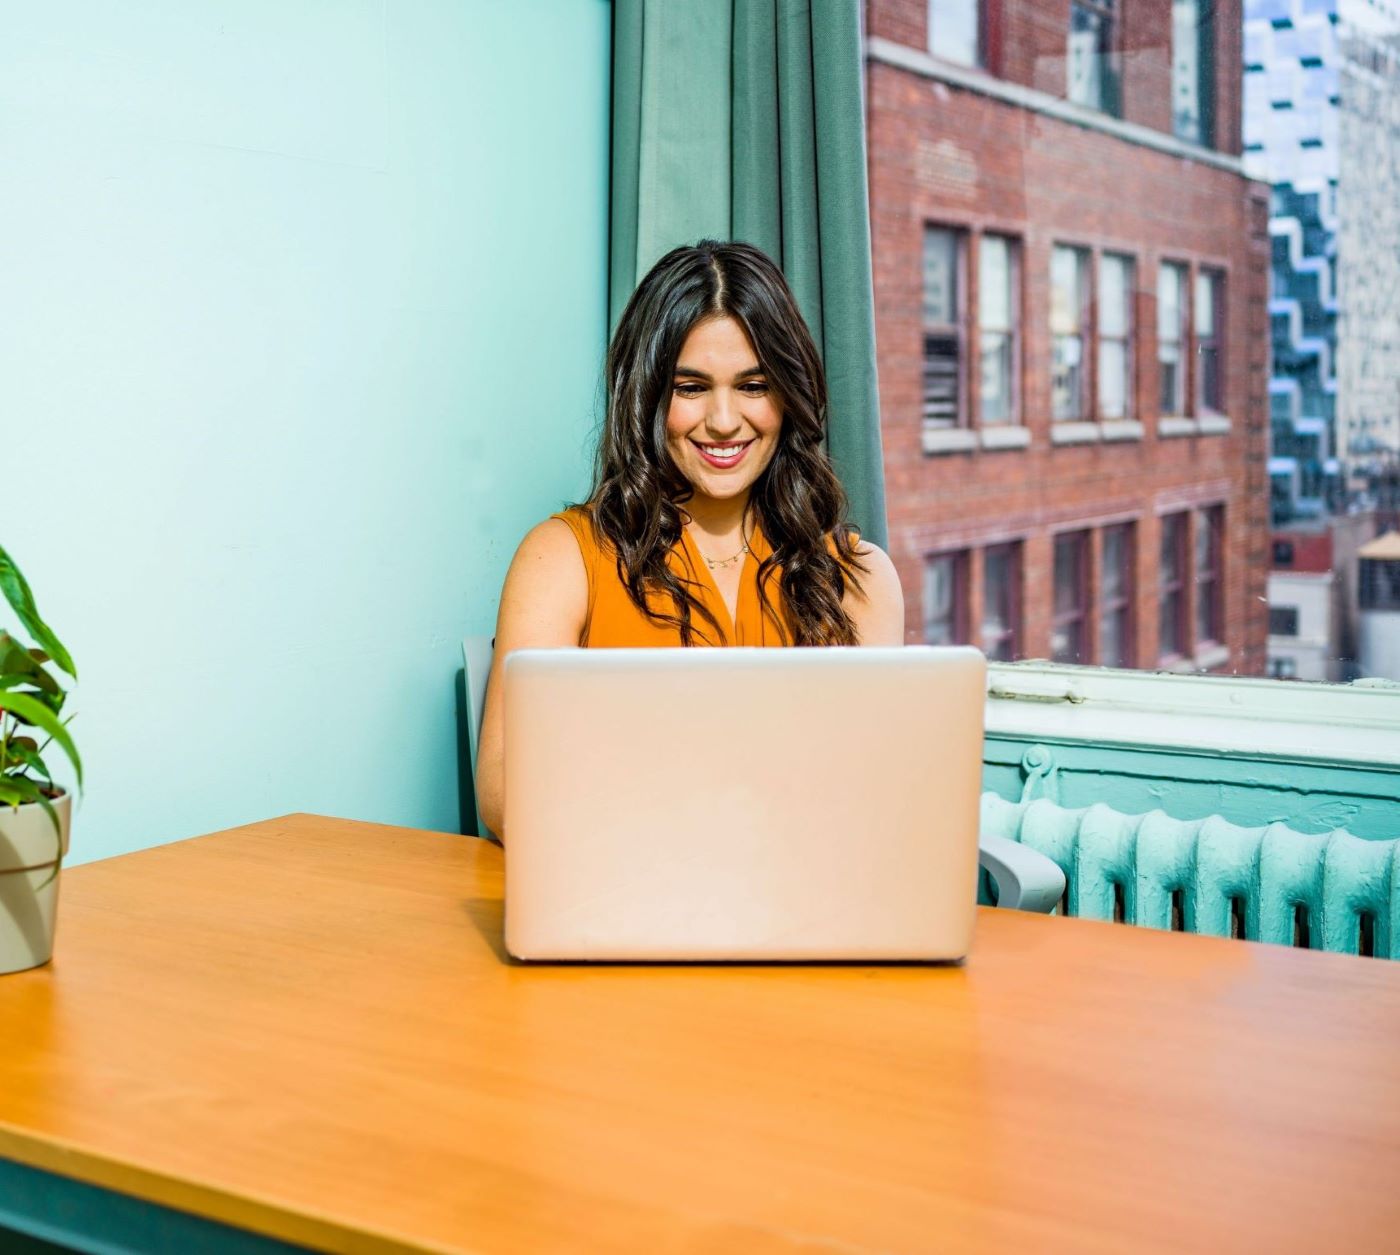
(29, 882)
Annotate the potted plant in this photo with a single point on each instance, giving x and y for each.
(34, 812)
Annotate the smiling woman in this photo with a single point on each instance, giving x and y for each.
(715, 516)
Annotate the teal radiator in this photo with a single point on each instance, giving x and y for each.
(1331, 892)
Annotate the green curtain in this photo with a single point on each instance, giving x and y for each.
(745, 119)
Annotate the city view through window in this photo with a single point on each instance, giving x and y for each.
(1137, 285)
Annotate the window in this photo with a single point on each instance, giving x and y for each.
(1171, 318)
(1001, 600)
(1115, 380)
(953, 31)
(1068, 636)
(1210, 286)
(1171, 588)
(1208, 595)
(1192, 62)
(1380, 584)
(945, 599)
(943, 355)
(1283, 620)
(1116, 597)
(996, 322)
(1067, 302)
(1092, 77)
(1283, 668)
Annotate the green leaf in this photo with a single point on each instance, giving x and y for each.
(16, 660)
(31, 710)
(29, 755)
(21, 600)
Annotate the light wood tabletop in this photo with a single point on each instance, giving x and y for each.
(308, 1028)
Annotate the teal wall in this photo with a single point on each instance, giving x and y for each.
(305, 305)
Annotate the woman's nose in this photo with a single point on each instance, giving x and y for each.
(724, 418)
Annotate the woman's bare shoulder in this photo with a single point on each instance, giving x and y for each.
(546, 588)
(877, 606)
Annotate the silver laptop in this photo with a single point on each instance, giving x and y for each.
(743, 803)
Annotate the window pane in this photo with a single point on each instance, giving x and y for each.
(940, 277)
(1066, 396)
(1064, 291)
(1205, 303)
(996, 377)
(952, 30)
(1169, 370)
(1114, 290)
(1085, 72)
(1113, 639)
(1186, 69)
(1112, 583)
(1170, 564)
(1170, 626)
(994, 283)
(940, 404)
(1069, 574)
(1113, 378)
(943, 599)
(998, 602)
(1169, 286)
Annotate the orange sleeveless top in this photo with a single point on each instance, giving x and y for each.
(615, 622)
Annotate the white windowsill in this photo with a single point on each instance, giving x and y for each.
(949, 440)
(1357, 722)
(1121, 429)
(1214, 424)
(1075, 433)
(1174, 426)
(1005, 437)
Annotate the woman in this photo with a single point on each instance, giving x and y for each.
(715, 517)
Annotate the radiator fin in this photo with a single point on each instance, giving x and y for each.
(1330, 892)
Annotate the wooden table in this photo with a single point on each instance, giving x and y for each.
(308, 1028)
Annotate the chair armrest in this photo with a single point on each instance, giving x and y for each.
(1026, 880)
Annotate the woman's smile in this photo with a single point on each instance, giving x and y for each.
(723, 455)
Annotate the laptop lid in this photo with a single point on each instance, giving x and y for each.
(742, 803)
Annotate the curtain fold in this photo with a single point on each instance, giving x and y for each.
(744, 119)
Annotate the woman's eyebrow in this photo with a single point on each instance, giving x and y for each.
(700, 374)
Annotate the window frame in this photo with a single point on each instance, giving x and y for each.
(1012, 331)
(1127, 339)
(1110, 99)
(1216, 340)
(1084, 271)
(1125, 604)
(1182, 341)
(956, 330)
(1081, 614)
(1014, 629)
(1212, 580)
(960, 619)
(1181, 520)
(979, 27)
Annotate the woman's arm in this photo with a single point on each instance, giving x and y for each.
(879, 612)
(544, 604)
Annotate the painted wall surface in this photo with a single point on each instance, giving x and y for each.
(304, 310)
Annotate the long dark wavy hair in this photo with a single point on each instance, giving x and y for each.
(638, 491)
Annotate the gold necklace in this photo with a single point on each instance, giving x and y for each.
(715, 563)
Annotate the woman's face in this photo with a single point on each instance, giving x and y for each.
(723, 423)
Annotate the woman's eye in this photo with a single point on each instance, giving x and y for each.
(689, 389)
(756, 389)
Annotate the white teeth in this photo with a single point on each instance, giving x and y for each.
(728, 452)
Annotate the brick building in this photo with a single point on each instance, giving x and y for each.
(1071, 277)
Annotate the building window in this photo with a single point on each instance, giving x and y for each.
(1192, 64)
(1283, 620)
(1115, 380)
(1068, 635)
(996, 323)
(943, 352)
(1171, 329)
(945, 599)
(1091, 69)
(1171, 588)
(1380, 584)
(1210, 286)
(953, 29)
(1116, 597)
(1067, 306)
(1283, 668)
(1207, 575)
(1001, 600)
